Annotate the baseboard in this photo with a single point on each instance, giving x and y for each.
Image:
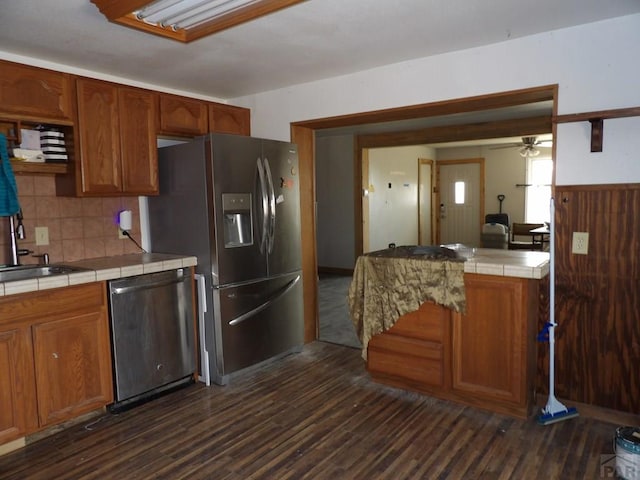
(602, 414)
(336, 271)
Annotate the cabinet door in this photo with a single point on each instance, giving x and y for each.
(17, 387)
(72, 365)
(182, 116)
(491, 351)
(229, 119)
(35, 92)
(99, 130)
(138, 114)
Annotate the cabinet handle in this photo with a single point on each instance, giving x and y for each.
(55, 355)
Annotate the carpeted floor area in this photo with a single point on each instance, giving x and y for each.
(335, 321)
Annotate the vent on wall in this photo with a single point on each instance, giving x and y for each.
(187, 20)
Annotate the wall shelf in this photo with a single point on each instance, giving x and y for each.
(39, 168)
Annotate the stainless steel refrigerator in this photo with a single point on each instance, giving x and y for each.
(234, 202)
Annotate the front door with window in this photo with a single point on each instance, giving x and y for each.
(460, 201)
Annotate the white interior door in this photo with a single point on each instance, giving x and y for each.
(460, 198)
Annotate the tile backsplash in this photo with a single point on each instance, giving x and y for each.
(79, 228)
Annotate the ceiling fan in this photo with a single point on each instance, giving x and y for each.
(528, 146)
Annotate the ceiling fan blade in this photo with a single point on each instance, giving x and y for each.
(509, 145)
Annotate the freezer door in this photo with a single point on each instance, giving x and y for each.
(237, 192)
(257, 321)
(281, 164)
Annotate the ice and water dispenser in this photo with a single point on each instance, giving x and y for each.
(236, 210)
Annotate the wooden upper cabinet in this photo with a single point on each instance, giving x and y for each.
(138, 118)
(229, 119)
(117, 129)
(182, 116)
(99, 131)
(32, 92)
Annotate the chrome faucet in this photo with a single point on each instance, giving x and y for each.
(17, 233)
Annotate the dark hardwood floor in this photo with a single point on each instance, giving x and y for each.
(314, 415)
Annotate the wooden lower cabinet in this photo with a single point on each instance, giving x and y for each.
(484, 358)
(55, 346)
(413, 350)
(73, 366)
(18, 412)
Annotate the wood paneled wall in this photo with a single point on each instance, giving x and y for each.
(597, 298)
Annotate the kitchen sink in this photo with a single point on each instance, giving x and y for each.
(26, 272)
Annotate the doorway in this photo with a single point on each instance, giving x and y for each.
(515, 113)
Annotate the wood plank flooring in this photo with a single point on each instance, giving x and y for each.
(313, 415)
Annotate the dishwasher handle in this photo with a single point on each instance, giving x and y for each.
(146, 286)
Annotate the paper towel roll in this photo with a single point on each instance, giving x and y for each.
(125, 219)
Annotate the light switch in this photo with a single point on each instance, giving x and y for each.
(42, 235)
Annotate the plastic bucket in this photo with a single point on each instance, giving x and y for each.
(627, 450)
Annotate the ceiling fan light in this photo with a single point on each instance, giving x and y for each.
(529, 152)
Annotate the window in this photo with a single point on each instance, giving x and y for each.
(538, 194)
(459, 193)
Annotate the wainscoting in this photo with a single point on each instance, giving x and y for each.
(597, 298)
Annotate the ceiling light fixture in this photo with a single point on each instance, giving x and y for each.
(187, 20)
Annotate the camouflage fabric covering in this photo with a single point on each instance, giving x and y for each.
(389, 283)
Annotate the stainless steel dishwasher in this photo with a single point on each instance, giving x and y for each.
(152, 333)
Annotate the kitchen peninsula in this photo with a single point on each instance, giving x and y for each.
(473, 344)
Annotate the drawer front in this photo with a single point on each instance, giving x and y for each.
(426, 323)
(416, 360)
(46, 303)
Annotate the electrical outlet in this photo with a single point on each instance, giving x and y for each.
(580, 244)
(120, 234)
(42, 235)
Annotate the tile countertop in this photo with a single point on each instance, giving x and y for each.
(508, 263)
(100, 269)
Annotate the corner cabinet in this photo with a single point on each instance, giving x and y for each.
(117, 133)
(56, 366)
(484, 358)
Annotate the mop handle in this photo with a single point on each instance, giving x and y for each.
(552, 296)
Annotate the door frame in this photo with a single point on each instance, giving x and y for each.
(433, 195)
(303, 133)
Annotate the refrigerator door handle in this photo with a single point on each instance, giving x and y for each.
(259, 308)
(204, 376)
(262, 197)
(272, 206)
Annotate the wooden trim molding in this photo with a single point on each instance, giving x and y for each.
(597, 122)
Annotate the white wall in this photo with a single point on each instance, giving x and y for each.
(592, 64)
(334, 197)
(393, 212)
